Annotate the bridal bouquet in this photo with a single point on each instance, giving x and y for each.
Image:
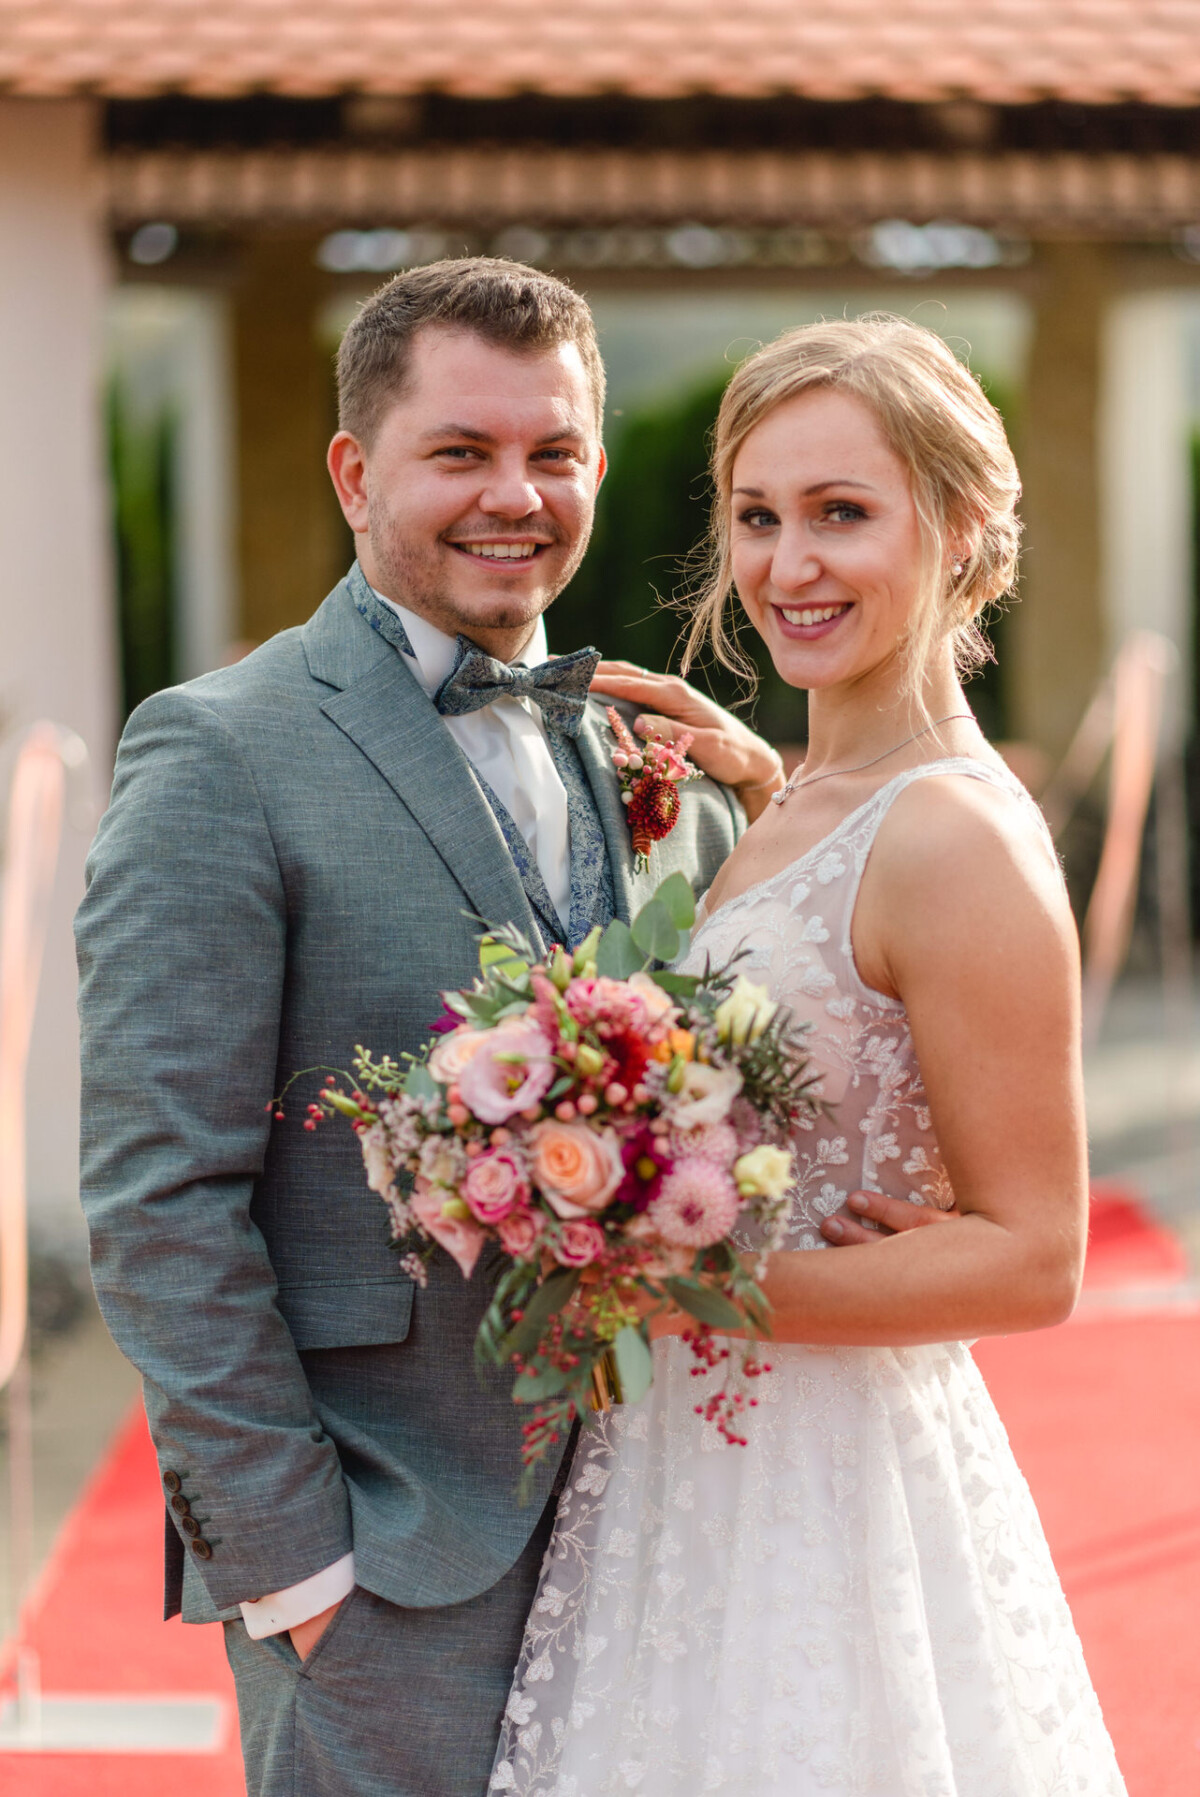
(609, 1125)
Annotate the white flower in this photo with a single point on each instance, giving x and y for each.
(377, 1159)
(520, 1708)
(705, 1095)
(443, 1161)
(745, 1014)
(765, 1172)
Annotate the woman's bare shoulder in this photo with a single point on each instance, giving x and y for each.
(962, 864)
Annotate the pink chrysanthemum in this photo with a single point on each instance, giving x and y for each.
(715, 1142)
(697, 1204)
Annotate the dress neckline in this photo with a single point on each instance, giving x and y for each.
(790, 867)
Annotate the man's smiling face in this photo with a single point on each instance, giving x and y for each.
(473, 504)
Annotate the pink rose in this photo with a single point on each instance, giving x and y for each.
(461, 1237)
(519, 1232)
(510, 1070)
(493, 1185)
(579, 1243)
(577, 1168)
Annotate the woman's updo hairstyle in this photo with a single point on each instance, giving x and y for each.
(937, 420)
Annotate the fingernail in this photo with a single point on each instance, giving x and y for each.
(835, 1228)
(859, 1201)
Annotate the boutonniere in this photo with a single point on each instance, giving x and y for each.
(651, 774)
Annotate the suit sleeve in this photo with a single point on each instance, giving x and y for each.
(182, 941)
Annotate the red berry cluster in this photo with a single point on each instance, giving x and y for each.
(725, 1406)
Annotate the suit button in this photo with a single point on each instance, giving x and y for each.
(172, 1481)
(180, 1505)
(189, 1525)
(201, 1549)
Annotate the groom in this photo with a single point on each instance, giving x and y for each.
(292, 862)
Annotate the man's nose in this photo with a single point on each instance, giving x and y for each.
(510, 493)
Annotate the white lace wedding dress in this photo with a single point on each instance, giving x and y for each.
(860, 1603)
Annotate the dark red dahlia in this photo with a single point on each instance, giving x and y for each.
(653, 810)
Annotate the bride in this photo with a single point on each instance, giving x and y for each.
(860, 1602)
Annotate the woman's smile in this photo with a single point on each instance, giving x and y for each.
(809, 623)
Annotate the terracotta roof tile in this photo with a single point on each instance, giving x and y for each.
(1005, 51)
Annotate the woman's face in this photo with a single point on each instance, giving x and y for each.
(826, 540)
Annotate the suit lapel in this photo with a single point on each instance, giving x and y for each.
(386, 714)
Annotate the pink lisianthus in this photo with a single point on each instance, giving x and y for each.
(577, 1168)
(520, 1231)
(697, 1204)
(579, 1243)
(494, 1183)
(461, 1237)
(510, 1070)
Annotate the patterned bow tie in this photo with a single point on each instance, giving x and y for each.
(559, 688)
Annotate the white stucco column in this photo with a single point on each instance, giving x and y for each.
(57, 639)
(1145, 475)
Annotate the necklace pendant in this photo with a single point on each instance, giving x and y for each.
(777, 798)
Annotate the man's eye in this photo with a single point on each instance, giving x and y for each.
(554, 455)
(459, 452)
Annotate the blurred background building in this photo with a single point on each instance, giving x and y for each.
(193, 200)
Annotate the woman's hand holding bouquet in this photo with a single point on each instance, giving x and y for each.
(609, 1126)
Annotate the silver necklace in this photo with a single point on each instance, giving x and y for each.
(794, 784)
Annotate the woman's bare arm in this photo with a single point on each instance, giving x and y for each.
(963, 917)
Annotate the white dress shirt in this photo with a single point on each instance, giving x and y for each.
(506, 742)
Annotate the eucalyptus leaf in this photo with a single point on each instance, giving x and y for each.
(706, 1305)
(419, 1082)
(547, 1382)
(654, 933)
(617, 955)
(680, 985)
(634, 1366)
(498, 956)
(676, 895)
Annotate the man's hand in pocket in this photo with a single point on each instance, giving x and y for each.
(305, 1635)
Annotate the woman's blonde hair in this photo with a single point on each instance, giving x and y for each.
(937, 420)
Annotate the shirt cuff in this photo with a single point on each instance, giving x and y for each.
(287, 1609)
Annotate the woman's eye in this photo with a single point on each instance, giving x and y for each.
(844, 511)
(757, 517)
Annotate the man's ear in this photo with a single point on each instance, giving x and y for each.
(601, 467)
(347, 464)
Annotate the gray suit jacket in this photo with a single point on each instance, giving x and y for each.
(283, 872)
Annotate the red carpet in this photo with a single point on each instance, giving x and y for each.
(94, 1623)
(1104, 1416)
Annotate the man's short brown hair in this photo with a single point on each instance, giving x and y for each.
(506, 303)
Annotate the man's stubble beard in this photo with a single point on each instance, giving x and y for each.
(411, 577)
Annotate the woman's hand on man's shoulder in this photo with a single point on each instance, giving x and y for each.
(722, 746)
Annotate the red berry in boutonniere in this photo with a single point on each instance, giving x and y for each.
(651, 774)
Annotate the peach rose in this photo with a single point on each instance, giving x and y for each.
(454, 1051)
(577, 1168)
